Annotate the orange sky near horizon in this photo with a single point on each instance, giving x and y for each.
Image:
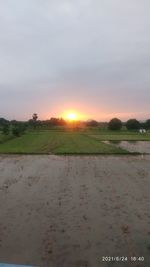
(82, 114)
(100, 116)
(87, 110)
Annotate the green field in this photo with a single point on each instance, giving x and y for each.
(56, 142)
(120, 137)
(5, 138)
(68, 142)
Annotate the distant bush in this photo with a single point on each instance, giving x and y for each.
(115, 124)
(92, 123)
(143, 125)
(3, 122)
(46, 124)
(56, 122)
(133, 124)
(18, 129)
(147, 124)
(5, 129)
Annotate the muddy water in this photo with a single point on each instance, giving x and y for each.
(132, 146)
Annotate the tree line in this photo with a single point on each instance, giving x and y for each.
(131, 124)
(17, 128)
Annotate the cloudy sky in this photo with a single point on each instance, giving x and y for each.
(89, 56)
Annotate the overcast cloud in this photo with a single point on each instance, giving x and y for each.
(88, 55)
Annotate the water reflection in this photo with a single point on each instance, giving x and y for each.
(134, 146)
(132, 142)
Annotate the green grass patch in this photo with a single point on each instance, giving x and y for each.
(77, 143)
(5, 138)
(32, 142)
(55, 142)
(120, 136)
(68, 142)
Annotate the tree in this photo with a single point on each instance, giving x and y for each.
(115, 124)
(133, 124)
(92, 123)
(14, 122)
(56, 122)
(3, 123)
(148, 124)
(143, 125)
(5, 129)
(34, 119)
(16, 131)
(18, 128)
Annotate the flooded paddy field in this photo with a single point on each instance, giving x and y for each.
(132, 146)
(72, 211)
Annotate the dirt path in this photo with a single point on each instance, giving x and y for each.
(72, 211)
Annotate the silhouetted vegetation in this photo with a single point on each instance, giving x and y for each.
(6, 129)
(3, 123)
(133, 124)
(46, 124)
(115, 124)
(57, 122)
(92, 123)
(16, 131)
(147, 124)
(34, 119)
(18, 128)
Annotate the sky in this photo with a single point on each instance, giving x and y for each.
(91, 57)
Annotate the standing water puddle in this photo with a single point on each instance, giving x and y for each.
(132, 146)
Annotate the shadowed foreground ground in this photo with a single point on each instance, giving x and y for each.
(71, 211)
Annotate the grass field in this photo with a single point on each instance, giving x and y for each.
(5, 138)
(56, 142)
(121, 137)
(68, 142)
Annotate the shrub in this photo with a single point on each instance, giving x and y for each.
(133, 124)
(16, 131)
(92, 123)
(115, 124)
(148, 124)
(5, 129)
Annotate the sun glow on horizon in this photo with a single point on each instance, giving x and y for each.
(71, 116)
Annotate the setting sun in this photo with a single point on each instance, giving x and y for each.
(72, 116)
